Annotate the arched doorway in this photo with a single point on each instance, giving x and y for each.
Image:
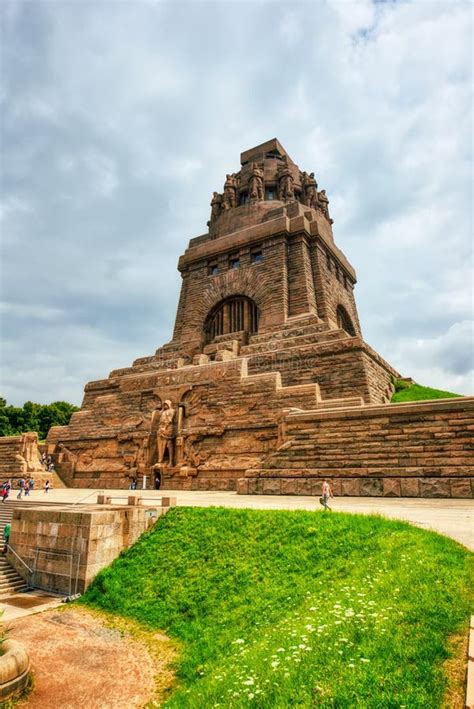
(237, 314)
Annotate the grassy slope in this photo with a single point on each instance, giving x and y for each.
(278, 609)
(416, 392)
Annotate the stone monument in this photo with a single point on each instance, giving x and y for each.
(266, 330)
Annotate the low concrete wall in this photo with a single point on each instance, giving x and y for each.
(420, 449)
(66, 547)
(14, 669)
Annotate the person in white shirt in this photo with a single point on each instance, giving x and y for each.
(326, 494)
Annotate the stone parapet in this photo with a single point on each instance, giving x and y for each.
(65, 547)
(418, 449)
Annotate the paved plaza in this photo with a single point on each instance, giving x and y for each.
(454, 518)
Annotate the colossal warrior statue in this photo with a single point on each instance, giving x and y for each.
(310, 187)
(286, 191)
(256, 184)
(230, 192)
(166, 433)
(323, 203)
(216, 207)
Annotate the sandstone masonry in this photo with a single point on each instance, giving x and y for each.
(266, 324)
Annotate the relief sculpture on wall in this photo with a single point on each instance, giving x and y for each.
(166, 433)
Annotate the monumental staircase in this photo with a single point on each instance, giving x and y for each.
(10, 581)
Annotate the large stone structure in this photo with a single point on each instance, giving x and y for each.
(61, 548)
(266, 323)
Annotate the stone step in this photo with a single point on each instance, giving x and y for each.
(8, 577)
(10, 581)
(13, 590)
(290, 330)
(295, 341)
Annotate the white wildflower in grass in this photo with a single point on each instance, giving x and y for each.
(280, 649)
(364, 659)
(275, 664)
(250, 695)
(351, 665)
(239, 641)
(313, 608)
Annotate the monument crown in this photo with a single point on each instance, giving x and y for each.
(268, 177)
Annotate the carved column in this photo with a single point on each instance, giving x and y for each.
(225, 329)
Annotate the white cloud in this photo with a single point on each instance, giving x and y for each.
(120, 119)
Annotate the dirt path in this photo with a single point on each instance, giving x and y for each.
(81, 661)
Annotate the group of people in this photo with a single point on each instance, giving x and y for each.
(24, 485)
(157, 482)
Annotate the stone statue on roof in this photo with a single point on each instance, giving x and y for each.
(230, 192)
(286, 190)
(256, 191)
(322, 204)
(216, 207)
(310, 187)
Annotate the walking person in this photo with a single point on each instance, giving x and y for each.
(5, 491)
(32, 484)
(27, 488)
(21, 485)
(326, 494)
(46, 486)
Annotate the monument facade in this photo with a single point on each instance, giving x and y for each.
(266, 327)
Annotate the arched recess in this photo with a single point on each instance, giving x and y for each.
(235, 314)
(344, 321)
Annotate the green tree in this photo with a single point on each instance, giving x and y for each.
(34, 417)
(5, 426)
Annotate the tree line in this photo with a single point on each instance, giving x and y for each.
(34, 417)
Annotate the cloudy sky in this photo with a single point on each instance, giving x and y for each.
(119, 119)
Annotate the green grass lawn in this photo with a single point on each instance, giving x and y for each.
(415, 392)
(306, 609)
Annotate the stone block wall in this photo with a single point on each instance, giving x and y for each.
(67, 546)
(422, 449)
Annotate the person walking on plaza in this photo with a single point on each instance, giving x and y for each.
(27, 488)
(326, 494)
(5, 490)
(46, 486)
(32, 484)
(21, 485)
